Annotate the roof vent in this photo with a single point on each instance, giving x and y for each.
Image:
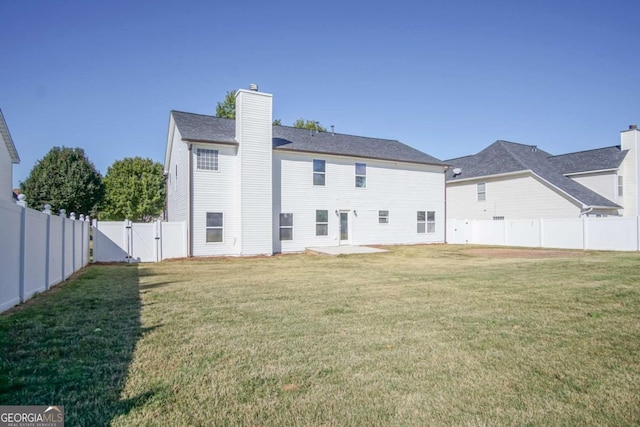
(534, 148)
(633, 127)
(253, 87)
(456, 171)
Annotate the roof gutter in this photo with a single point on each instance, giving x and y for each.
(208, 141)
(590, 172)
(361, 157)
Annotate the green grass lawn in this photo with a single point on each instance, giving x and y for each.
(421, 335)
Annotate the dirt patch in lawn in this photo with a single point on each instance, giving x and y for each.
(521, 253)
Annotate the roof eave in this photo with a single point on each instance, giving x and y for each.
(209, 141)
(570, 174)
(497, 175)
(6, 136)
(443, 165)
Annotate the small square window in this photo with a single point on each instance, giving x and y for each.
(383, 217)
(207, 159)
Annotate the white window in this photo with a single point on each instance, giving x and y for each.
(620, 192)
(319, 172)
(498, 218)
(286, 226)
(322, 223)
(214, 227)
(431, 221)
(383, 217)
(421, 221)
(482, 191)
(207, 160)
(361, 175)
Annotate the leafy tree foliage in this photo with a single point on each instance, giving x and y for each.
(309, 124)
(134, 189)
(65, 179)
(277, 122)
(227, 108)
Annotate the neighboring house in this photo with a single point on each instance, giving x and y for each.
(8, 157)
(246, 187)
(514, 181)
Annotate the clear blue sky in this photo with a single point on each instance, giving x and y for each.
(446, 77)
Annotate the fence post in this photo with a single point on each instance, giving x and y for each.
(23, 237)
(541, 232)
(47, 212)
(158, 239)
(584, 232)
(94, 226)
(72, 216)
(63, 214)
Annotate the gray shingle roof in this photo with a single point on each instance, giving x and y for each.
(505, 157)
(196, 127)
(591, 160)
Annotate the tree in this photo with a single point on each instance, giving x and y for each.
(134, 189)
(277, 122)
(227, 108)
(308, 124)
(65, 179)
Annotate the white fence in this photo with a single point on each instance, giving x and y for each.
(609, 233)
(39, 250)
(126, 241)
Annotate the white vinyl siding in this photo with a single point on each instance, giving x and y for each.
(620, 186)
(294, 192)
(216, 192)
(603, 183)
(6, 184)
(178, 193)
(508, 200)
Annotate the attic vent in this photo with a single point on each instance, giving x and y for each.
(633, 127)
(456, 172)
(253, 87)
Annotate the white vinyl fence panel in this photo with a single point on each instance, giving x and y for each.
(608, 233)
(127, 241)
(40, 250)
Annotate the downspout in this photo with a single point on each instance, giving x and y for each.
(446, 168)
(586, 212)
(190, 185)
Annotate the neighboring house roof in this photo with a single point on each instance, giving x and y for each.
(201, 128)
(8, 141)
(588, 161)
(503, 157)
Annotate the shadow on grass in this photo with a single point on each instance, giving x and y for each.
(73, 347)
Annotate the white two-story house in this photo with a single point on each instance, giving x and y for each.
(507, 180)
(247, 187)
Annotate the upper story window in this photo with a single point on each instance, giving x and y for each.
(620, 191)
(319, 172)
(383, 217)
(207, 159)
(361, 175)
(482, 191)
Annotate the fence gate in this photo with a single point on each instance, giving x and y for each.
(137, 242)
